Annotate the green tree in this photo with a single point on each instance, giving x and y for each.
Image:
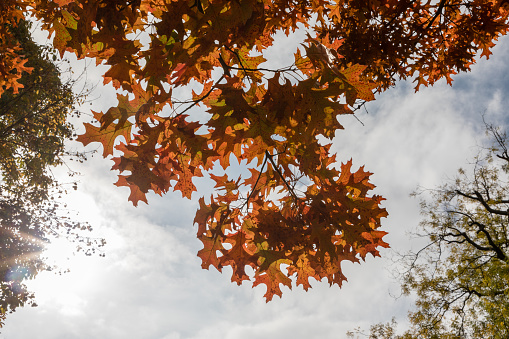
(33, 129)
(461, 277)
(377, 331)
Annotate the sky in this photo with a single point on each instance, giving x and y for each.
(150, 283)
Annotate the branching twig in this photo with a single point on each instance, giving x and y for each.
(197, 101)
(256, 183)
(479, 197)
(281, 175)
(437, 13)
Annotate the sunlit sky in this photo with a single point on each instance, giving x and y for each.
(150, 284)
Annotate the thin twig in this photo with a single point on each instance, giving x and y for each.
(256, 183)
(197, 101)
(281, 175)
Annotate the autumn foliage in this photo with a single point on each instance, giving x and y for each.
(294, 207)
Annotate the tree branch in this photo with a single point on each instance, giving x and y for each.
(197, 101)
(479, 197)
(281, 175)
(466, 238)
(256, 183)
(437, 13)
(482, 228)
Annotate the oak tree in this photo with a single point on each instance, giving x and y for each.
(295, 208)
(33, 128)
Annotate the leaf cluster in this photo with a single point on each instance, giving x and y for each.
(420, 40)
(295, 208)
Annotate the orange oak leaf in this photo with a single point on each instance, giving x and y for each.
(272, 278)
(136, 193)
(106, 136)
(208, 254)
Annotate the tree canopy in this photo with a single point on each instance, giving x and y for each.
(33, 128)
(460, 277)
(295, 207)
